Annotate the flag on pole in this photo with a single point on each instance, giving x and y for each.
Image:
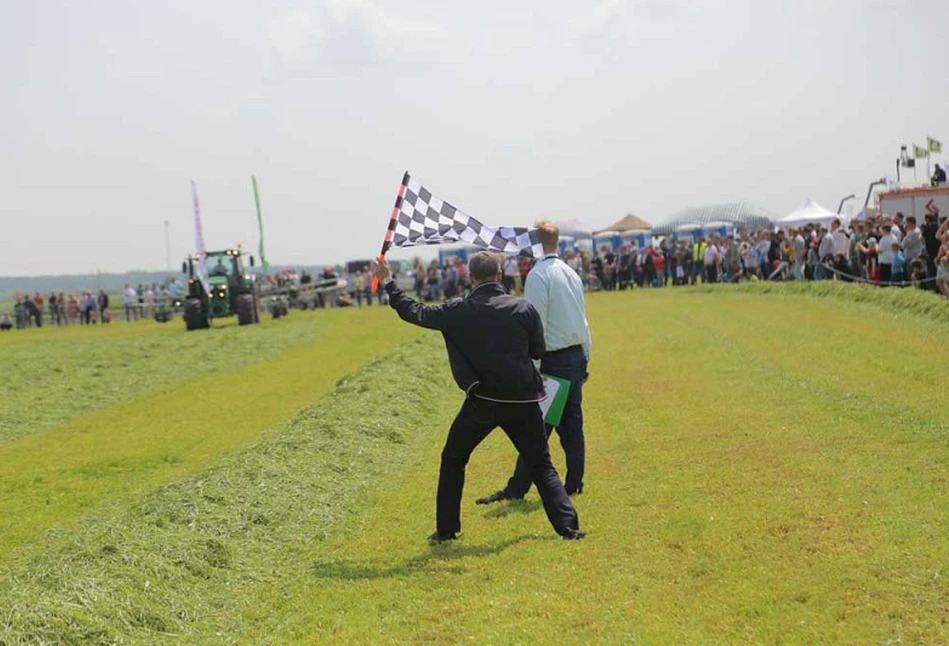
(420, 218)
(260, 226)
(919, 152)
(933, 146)
(199, 240)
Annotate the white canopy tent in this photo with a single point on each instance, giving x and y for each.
(808, 213)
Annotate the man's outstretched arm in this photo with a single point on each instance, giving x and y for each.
(410, 310)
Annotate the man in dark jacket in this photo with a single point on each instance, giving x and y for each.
(492, 338)
(103, 302)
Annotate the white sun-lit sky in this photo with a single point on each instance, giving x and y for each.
(512, 110)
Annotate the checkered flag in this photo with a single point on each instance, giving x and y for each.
(420, 218)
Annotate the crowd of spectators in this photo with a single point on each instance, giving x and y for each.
(88, 308)
(884, 251)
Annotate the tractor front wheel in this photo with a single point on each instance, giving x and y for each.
(245, 309)
(194, 316)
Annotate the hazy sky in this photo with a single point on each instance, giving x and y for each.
(511, 110)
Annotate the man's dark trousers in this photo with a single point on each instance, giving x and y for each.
(524, 425)
(571, 364)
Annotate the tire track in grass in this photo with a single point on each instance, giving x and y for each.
(50, 479)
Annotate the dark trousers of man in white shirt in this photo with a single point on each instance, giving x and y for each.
(571, 364)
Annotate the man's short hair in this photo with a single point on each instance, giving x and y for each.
(484, 266)
(911, 219)
(549, 233)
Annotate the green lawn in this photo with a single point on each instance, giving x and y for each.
(762, 467)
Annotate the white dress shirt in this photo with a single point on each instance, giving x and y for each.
(841, 243)
(887, 255)
(556, 292)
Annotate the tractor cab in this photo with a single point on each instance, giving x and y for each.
(230, 290)
(225, 281)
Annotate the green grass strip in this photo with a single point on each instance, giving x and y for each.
(893, 299)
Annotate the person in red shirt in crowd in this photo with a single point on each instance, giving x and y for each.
(659, 264)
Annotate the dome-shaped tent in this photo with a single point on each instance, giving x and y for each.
(740, 215)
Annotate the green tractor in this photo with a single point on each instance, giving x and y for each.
(230, 290)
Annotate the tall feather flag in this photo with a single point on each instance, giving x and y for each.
(260, 226)
(919, 152)
(933, 146)
(199, 240)
(420, 218)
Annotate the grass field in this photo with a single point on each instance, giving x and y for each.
(764, 465)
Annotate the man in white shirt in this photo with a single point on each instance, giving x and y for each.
(825, 253)
(130, 299)
(887, 255)
(556, 292)
(841, 239)
(712, 260)
(799, 249)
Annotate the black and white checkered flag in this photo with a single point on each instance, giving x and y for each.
(420, 218)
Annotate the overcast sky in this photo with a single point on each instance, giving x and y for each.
(511, 110)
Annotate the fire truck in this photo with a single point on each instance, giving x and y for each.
(920, 202)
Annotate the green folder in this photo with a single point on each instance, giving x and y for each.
(552, 405)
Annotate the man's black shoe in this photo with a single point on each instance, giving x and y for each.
(574, 492)
(441, 538)
(497, 496)
(573, 535)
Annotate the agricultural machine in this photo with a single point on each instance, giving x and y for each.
(230, 290)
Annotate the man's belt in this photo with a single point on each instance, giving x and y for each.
(554, 353)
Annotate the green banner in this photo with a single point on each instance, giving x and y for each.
(260, 225)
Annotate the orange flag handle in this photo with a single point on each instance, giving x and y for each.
(390, 230)
(375, 281)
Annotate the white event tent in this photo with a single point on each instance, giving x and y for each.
(808, 213)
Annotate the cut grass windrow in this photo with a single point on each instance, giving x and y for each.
(51, 376)
(180, 561)
(49, 479)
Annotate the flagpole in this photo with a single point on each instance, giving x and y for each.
(260, 226)
(387, 241)
(199, 239)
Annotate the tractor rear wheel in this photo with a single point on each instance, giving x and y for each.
(194, 316)
(245, 309)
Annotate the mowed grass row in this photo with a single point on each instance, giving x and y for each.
(757, 472)
(49, 479)
(187, 560)
(53, 375)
